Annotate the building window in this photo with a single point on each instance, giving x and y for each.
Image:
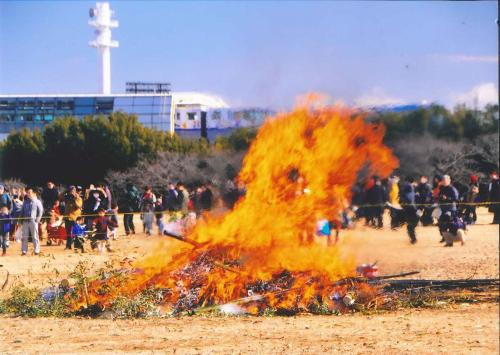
(192, 116)
(178, 116)
(216, 115)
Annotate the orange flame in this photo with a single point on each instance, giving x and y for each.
(299, 169)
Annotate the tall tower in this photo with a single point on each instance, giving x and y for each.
(101, 20)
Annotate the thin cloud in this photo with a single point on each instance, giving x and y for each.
(377, 97)
(464, 58)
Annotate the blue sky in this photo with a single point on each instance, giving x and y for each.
(261, 53)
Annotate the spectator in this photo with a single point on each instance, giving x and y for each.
(436, 185)
(49, 197)
(130, 203)
(56, 231)
(158, 213)
(72, 209)
(148, 201)
(206, 198)
(102, 224)
(5, 222)
(78, 234)
(454, 229)
(409, 209)
(112, 213)
(182, 198)
(423, 198)
(447, 199)
(32, 212)
(470, 199)
(95, 198)
(375, 197)
(170, 199)
(17, 208)
(5, 199)
(494, 197)
(109, 197)
(396, 212)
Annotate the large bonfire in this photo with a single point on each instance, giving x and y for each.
(300, 169)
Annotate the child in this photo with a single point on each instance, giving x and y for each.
(5, 221)
(113, 216)
(78, 233)
(454, 230)
(101, 225)
(56, 232)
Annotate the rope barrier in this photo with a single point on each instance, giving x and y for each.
(428, 205)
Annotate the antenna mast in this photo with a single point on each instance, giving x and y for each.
(101, 20)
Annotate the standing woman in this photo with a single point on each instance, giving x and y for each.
(72, 209)
(148, 201)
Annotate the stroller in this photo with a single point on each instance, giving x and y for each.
(56, 232)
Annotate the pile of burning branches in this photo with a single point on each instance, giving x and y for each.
(262, 257)
(285, 293)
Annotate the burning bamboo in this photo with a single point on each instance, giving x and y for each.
(440, 284)
(196, 244)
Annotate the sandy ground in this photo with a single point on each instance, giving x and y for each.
(459, 329)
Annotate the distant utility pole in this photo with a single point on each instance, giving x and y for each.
(101, 20)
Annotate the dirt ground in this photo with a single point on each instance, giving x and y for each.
(466, 328)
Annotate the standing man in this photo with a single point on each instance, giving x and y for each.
(494, 197)
(407, 198)
(447, 199)
(130, 204)
(170, 199)
(376, 197)
(49, 196)
(423, 198)
(32, 212)
(470, 199)
(182, 198)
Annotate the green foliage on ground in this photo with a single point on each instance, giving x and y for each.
(28, 301)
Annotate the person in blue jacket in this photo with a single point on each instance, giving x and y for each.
(78, 234)
(448, 198)
(5, 222)
(407, 199)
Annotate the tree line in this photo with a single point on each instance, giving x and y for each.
(79, 151)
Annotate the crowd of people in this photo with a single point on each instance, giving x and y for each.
(77, 215)
(73, 216)
(413, 202)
